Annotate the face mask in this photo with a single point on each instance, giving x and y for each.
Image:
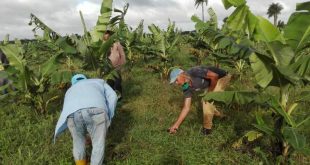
(185, 86)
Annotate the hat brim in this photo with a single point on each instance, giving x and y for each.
(172, 80)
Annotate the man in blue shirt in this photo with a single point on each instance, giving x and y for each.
(89, 107)
(198, 78)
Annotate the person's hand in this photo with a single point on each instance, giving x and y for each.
(172, 130)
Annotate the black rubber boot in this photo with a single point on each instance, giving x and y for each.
(206, 131)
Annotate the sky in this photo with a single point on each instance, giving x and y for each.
(63, 15)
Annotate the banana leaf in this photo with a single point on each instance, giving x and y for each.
(48, 33)
(103, 20)
(297, 141)
(276, 105)
(80, 44)
(236, 3)
(51, 65)
(282, 54)
(262, 126)
(13, 53)
(86, 35)
(62, 42)
(252, 21)
(224, 42)
(237, 20)
(304, 96)
(268, 73)
(61, 76)
(18, 69)
(238, 97)
(297, 29)
(213, 18)
(267, 32)
(200, 25)
(303, 6)
(260, 65)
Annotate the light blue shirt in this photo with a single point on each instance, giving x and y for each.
(85, 94)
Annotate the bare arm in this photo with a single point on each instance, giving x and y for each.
(183, 114)
(121, 53)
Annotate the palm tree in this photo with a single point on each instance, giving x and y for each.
(273, 11)
(200, 3)
(281, 25)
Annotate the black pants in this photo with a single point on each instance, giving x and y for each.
(116, 83)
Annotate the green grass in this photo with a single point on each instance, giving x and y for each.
(149, 108)
(138, 131)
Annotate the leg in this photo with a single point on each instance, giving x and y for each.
(221, 84)
(75, 125)
(111, 83)
(97, 125)
(208, 113)
(118, 83)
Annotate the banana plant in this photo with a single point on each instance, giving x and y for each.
(32, 84)
(90, 46)
(282, 132)
(200, 47)
(222, 48)
(48, 33)
(102, 21)
(164, 46)
(132, 41)
(278, 66)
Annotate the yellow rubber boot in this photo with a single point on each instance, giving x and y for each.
(81, 162)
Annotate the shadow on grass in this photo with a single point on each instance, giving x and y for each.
(116, 148)
(131, 88)
(117, 134)
(172, 158)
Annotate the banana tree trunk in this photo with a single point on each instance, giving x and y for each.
(284, 145)
(285, 152)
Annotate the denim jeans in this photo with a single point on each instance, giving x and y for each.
(95, 122)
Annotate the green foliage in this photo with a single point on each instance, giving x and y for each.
(297, 29)
(213, 18)
(133, 40)
(238, 23)
(224, 49)
(279, 60)
(297, 141)
(90, 46)
(164, 45)
(31, 83)
(235, 3)
(102, 21)
(267, 32)
(276, 66)
(48, 33)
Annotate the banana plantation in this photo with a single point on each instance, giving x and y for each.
(267, 102)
